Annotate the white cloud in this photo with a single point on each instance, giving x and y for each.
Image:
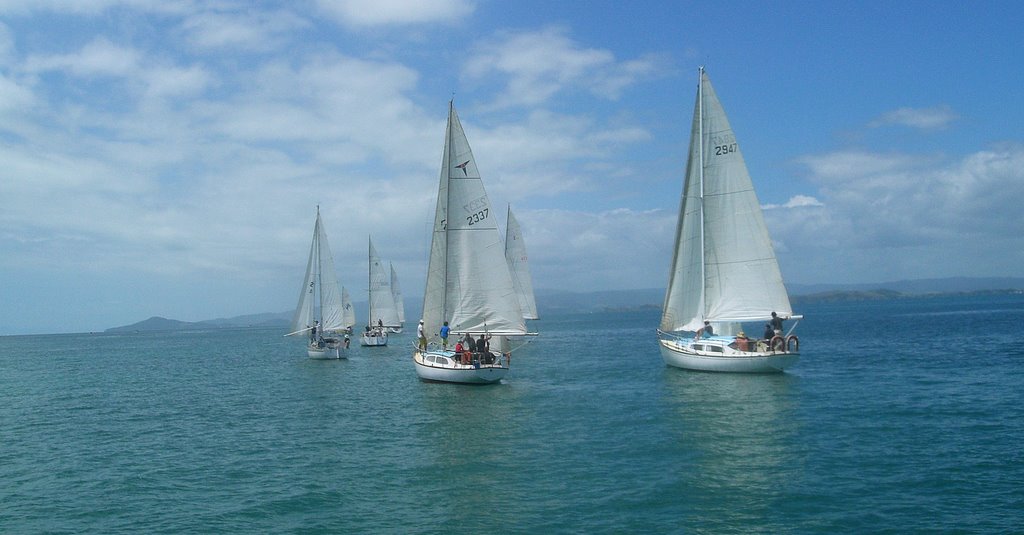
(14, 97)
(100, 57)
(797, 201)
(536, 66)
(395, 12)
(249, 29)
(921, 118)
(548, 153)
(838, 167)
(583, 251)
(92, 7)
(897, 215)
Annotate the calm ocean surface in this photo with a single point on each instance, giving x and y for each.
(902, 416)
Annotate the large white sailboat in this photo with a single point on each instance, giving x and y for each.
(724, 271)
(519, 267)
(382, 315)
(468, 282)
(320, 313)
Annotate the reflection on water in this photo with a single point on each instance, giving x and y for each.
(738, 431)
(465, 453)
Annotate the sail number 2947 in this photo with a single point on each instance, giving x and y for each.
(722, 150)
(472, 219)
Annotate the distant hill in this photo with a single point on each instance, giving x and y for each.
(156, 323)
(560, 301)
(551, 302)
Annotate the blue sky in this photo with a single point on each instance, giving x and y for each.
(166, 158)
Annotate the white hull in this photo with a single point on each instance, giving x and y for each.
(683, 354)
(441, 366)
(328, 352)
(374, 340)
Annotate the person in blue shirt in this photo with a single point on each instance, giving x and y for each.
(444, 335)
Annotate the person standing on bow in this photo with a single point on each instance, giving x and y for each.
(422, 336)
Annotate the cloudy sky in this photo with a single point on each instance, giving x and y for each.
(163, 157)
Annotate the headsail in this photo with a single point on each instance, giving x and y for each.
(348, 313)
(396, 292)
(382, 302)
(724, 268)
(518, 266)
(468, 282)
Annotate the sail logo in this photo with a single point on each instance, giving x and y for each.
(476, 205)
(463, 167)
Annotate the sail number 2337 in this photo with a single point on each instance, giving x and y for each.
(473, 219)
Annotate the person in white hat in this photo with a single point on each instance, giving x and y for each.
(422, 335)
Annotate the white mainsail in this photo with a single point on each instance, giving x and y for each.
(320, 296)
(518, 267)
(468, 282)
(396, 292)
(724, 268)
(382, 302)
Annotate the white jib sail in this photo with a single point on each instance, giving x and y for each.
(519, 267)
(348, 313)
(382, 302)
(396, 292)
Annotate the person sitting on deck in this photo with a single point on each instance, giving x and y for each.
(706, 330)
(468, 346)
(742, 343)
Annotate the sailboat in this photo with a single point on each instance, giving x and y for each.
(518, 267)
(382, 313)
(468, 282)
(724, 271)
(320, 312)
(396, 292)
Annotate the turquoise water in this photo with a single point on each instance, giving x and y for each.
(901, 416)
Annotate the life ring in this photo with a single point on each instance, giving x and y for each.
(793, 341)
(777, 343)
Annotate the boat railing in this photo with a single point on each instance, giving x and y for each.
(776, 344)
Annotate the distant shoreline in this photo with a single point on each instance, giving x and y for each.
(559, 303)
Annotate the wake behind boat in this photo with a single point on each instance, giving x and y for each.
(323, 311)
(468, 281)
(724, 271)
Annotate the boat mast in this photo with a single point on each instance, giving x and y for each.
(317, 277)
(369, 285)
(447, 206)
(700, 128)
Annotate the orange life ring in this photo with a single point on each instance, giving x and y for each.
(777, 343)
(793, 341)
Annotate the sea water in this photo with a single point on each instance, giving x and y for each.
(901, 416)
